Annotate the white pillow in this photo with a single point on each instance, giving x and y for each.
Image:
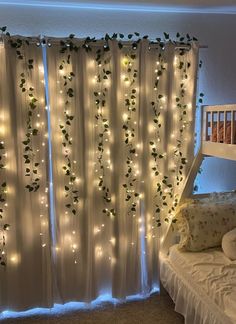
(203, 226)
(229, 244)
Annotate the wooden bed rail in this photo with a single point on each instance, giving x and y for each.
(219, 131)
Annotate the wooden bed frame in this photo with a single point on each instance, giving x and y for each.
(218, 139)
(219, 121)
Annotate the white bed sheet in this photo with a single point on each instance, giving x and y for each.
(202, 285)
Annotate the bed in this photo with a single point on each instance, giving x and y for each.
(202, 284)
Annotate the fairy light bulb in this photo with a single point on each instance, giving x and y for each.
(125, 116)
(14, 259)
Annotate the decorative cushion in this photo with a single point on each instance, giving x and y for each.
(202, 226)
(229, 244)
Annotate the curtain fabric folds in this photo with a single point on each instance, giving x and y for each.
(121, 126)
(26, 279)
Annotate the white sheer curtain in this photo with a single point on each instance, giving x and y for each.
(121, 130)
(96, 251)
(25, 281)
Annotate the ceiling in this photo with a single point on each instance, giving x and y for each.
(204, 6)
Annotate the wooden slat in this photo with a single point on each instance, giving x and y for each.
(211, 126)
(232, 127)
(219, 108)
(221, 150)
(224, 127)
(189, 182)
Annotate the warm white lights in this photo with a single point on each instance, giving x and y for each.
(14, 258)
(130, 159)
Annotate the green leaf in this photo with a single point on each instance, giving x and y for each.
(35, 132)
(6, 226)
(167, 36)
(3, 29)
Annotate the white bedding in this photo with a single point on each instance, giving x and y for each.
(202, 285)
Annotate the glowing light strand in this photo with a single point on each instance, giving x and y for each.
(103, 166)
(130, 127)
(70, 166)
(3, 206)
(31, 150)
(182, 107)
(162, 181)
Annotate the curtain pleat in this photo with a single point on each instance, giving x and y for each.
(26, 279)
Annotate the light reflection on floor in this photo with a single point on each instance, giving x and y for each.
(59, 309)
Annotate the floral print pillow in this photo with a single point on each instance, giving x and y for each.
(202, 226)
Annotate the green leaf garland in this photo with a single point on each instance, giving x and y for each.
(130, 79)
(70, 167)
(102, 129)
(3, 205)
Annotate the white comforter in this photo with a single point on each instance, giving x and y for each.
(212, 276)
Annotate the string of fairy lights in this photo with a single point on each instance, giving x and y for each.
(103, 165)
(70, 167)
(130, 130)
(182, 119)
(156, 150)
(34, 142)
(36, 137)
(167, 192)
(3, 203)
(4, 226)
(31, 157)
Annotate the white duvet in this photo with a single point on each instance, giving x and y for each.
(212, 273)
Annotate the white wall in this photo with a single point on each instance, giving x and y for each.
(218, 75)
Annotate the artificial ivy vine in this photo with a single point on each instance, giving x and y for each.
(165, 187)
(32, 131)
(103, 77)
(3, 197)
(163, 184)
(3, 205)
(70, 167)
(182, 107)
(130, 132)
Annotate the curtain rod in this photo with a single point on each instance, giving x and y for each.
(43, 40)
(55, 40)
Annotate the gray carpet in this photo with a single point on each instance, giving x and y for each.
(155, 309)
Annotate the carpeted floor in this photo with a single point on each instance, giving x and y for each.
(155, 309)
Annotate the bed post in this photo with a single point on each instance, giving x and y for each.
(189, 182)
